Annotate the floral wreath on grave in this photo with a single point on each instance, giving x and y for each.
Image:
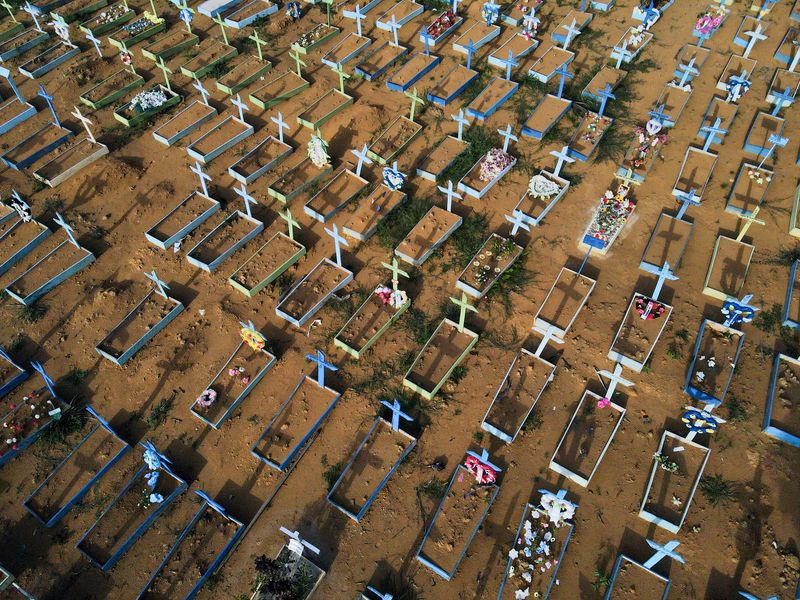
(490, 13)
(154, 19)
(442, 23)
(745, 313)
(253, 338)
(495, 161)
(393, 179)
(649, 309)
(709, 20)
(541, 187)
(699, 421)
(126, 58)
(318, 151)
(390, 297)
(148, 100)
(474, 466)
(558, 509)
(636, 38)
(206, 398)
(293, 10)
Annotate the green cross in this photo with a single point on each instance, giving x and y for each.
(218, 20)
(627, 178)
(259, 42)
(328, 9)
(290, 222)
(297, 60)
(464, 306)
(165, 70)
(342, 75)
(153, 6)
(10, 10)
(415, 99)
(396, 272)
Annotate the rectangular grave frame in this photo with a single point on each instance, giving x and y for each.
(700, 55)
(692, 391)
(559, 38)
(243, 394)
(572, 475)
(100, 151)
(652, 267)
(458, 21)
(618, 565)
(180, 487)
(258, 68)
(16, 49)
(546, 77)
(314, 125)
(708, 119)
(483, 115)
(211, 112)
(445, 100)
(137, 345)
(543, 324)
(215, 564)
(719, 294)
(28, 111)
(478, 194)
(9, 262)
(691, 149)
(111, 25)
(288, 197)
(8, 385)
(670, 119)
(334, 31)
(364, 235)
(794, 226)
(258, 227)
(53, 282)
(186, 229)
(448, 575)
(11, 30)
(172, 99)
(659, 521)
(494, 32)
(363, 44)
(150, 31)
(775, 83)
(429, 394)
(572, 152)
(246, 132)
(72, 11)
(629, 58)
(497, 58)
(251, 292)
(287, 462)
(767, 427)
(411, 440)
(212, 8)
(114, 96)
(507, 436)
(275, 100)
(203, 70)
(78, 496)
(372, 75)
(422, 172)
(529, 507)
(743, 168)
(792, 33)
(186, 42)
(385, 160)
(788, 321)
(302, 320)
(27, 161)
(385, 25)
(397, 87)
(250, 178)
(474, 292)
(35, 73)
(432, 248)
(626, 361)
(357, 353)
(754, 147)
(537, 134)
(324, 218)
(560, 181)
(270, 8)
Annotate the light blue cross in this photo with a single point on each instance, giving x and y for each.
(562, 156)
(59, 220)
(426, 37)
(781, 99)
(357, 15)
(470, 51)
(338, 240)
(572, 33)
(519, 221)
(397, 413)
(776, 141)
(621, 53)
(605, 95)
(48, 381)
(322, 364)
(96, 42)
(658, 114)
(667, 550)
(6, 74)
(564, 74)
(241, 191)
(49, 99)
(362, 157)
(711, 132)
(664, 273)
(483, 459)
(510, 63)
(161, 287)
(688, 199)
(688, 71)
(281, 125)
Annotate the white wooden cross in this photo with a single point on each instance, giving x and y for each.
(394, 26)
(509, 63)
(198, 85)
(508, 136)
(776, 141)
(562, 156)
(781, 99)
(86, 122)
(397, 413)
(281, 125)
(357, 15)
(338, 240)
(667, 550)
(755, 36)
(518, 221)
(548, 333)
(572, 33)
(237, 102)
(748, 221)
(241, 191)
(96, 42)
(621, 53)
(23, 208)
(67, 229)
(614, 379)
(461, 120)
(362, 157)
(290, 222)
(297, 544)
(451, 193)
(663, 273)
(33, 11)
(161, 287)
(61, 29)
(197, 169)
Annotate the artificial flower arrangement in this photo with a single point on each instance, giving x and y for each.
(710, 19)
(651, 137)
(139, 25)
(759, 176)
(395, 299)
(541, 187)
(442, 23)
(27, 418)
(111, 14)
(595, 127)
(666, 463)
(494, 163)
(537, 549)
(483, 473)
(649, 309)
(293, 10)
(148, 100)
(611, 215)
(153, 460)
(318, 151)
(636, 37)
(490, 13)
(308, 38)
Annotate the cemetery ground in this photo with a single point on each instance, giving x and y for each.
(739, 534)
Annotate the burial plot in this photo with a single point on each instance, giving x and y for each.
(766, 128)
(78, 9)
(147, 494)
(11, 374)
(605, 77)
(545, 116)
(235, 230)
(447, 347)
(411, 71)
(633, 41)
(172, 43)
(8, 582)
(323, 109)
(348, 48)
(518, 46)
(586, 439)
(200, 549)
(667, 243)
(368, 470)
(336, 193)
(18, 238)
(35, 146)
(69, 160)
(630, 577)
(751, 30)
(109, 19)
(564, 301)
(377, 313)
(673, 99)
(277, 90)
(736, 70)
(393, 139)
(695, 172)
(749, 189)
(794, 221)
(787, 49)
(689, 61)
(490, 168)
(147, 318)
(717, 120)
(517, 395)
(303, 575)
(609, 219)
(476, 33)
(441, 156)
(145, 105)
(111, 89)
(10, 27)
(546, 66)
(714, 359)
(76, 474)
(403, 12)
(48, 59)
(678, 465)
(441, 27)
(180, 221)
(539, 547)
(308, 295)
(427, 235)
(264, 156)
(451, 85)
(730, 262)
(642, 154)
(295, 179)
(210, 53)
(298, 418)
(27, 412)
(572, 24)
(50, 267)
(221, 137)
(247, 13)
(363, 221)
(587, 136)
(379, 60)
(15, 109)
(791, 306)
(22, 42)
(136, 31)
(783, 87)
(315, 37)
(496, 93)
(495, 257)
(185, 122)
(782, 414)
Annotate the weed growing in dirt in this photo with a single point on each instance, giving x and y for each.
(30, 313)
(601, 580)
(419, 326)
(392, 231)
(480, 140)
(76, 376)
(158, 414)
(534, 420)
(434, 488)
(331, 472)
(716, 489)
(469, 238)
(769, 320)
(737, 410)
(612, 145)
(61, 430)
(458, 374)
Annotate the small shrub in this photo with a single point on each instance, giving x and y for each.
(434, 488)
(716, 489)
(158, 414)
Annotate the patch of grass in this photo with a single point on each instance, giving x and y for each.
(477, 437)
(601, 580)
(480, 140)
(682, 334)
(392, 231)
(16, 343)
(612, 145)
(76, 376)
(468, 238)
(515, 279)
(737, 410)
(434, 488)
(53, 205)
(418, 324)
(331, 474)
(674, 350)
(218, 70)
(158, 414)
(458, 374)
(534, 420)
(529, 94)
(61, 430)
(475, 88)
(769, 320)
(498, 340)
(31, 313)
(791, 340)
(716, 489)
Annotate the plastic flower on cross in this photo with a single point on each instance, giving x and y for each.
(603, 403)
(318, 151)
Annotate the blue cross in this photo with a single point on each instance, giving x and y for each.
(211, 502)
(362, 157)
(572, 33)
(664, 273)
(387, 596)
(161, 287)
(49, 99)
(59, 220)
(519, 221)
(688, 69)
(593, 243)
(649, 12)
(781, 99)
(322, 364)
(338, 240)
(461, 120)
(397, 413)
(6, 74)
(583, 5)
(33, 11)
(701, 38)
(426, 37)
(241, 191)
(749, 596)
(621, 53)
(510, 63)
(507, 137)
(605, 95)
(658, 114)
(687, 200)
(48, 381)
(737, 311)
(451, 193)
(483, 458)
(562, 156)
(711, 132)
(776, 141)
(470, 51)
(563, 72)
(667, 550)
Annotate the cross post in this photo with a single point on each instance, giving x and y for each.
(362, 157)
(342, 75)
(218, 20)
(241, 191)
(548, 333)
(281, 125)
(357, 15)
(507, 136)
(572, 33)
(10, 9)
(185, 14)
(687, 200)
(748, 221)
(463, 305)
(297, 544)
(483, 460)
(563, 74)
(461, 120)
(518, 220)
(290, 222)
(161, 287)
(85, 122)
(614, 379)
(338, 240)
(397, 413)
(197, 169)
(394, 26)
(451, 193)
(59, 220)
(259, 42)
(237, 102)
(426, 37)
(198, 85)
(711, 132)
(470, 51)
(510, 63)
(322, 365)
(165, 70)
(33, 12)
(781, 99)
(415, 99)
(49, 99)
(96, 43)
(562, 156)
(755, 36)
(776, 141)
(663, 273)
(688, 71)
(298, 60)
(605, 95)
(48, 381)
(665, 551)
(621, 53)
(396, 272)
